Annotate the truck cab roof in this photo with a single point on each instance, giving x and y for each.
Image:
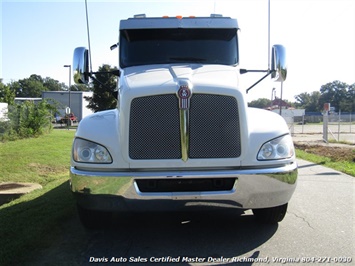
(143, 22)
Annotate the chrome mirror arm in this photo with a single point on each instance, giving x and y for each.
(269, 72)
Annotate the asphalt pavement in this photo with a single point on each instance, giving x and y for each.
(320, 220)
(318, 229)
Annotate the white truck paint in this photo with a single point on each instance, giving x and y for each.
(182, 133)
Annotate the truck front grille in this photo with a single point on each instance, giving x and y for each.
(214, 127)
(185, 185)
(154, 128)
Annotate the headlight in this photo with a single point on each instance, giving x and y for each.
(279, 148)
(85, 151)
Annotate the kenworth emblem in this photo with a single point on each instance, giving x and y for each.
(184, 94)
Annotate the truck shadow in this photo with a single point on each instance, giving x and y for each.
(152, 237)
(165, 237)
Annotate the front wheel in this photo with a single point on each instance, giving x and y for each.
(271, 215)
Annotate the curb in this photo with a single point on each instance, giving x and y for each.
(11, 190)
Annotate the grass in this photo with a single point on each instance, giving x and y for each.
(340, 142)
(36, 160)
(347, 167)
(29, 223)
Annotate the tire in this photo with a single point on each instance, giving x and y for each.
(92, 219)
(270, 215)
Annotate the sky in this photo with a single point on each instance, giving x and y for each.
(39, 37)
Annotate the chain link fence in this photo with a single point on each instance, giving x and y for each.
(340, 127)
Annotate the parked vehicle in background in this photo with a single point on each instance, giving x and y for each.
(3, 111)
(68, 119)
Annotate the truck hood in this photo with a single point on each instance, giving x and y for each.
(154, 76)
(111, 129)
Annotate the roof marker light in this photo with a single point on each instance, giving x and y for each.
(140, 16)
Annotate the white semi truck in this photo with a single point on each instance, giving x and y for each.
(182, 133)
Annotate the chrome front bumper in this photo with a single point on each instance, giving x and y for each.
(118, 191)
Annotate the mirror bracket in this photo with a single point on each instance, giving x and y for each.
(256, 83)
(278, 69)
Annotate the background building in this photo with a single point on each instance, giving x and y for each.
(77, 101)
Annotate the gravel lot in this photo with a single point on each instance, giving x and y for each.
(314, 133)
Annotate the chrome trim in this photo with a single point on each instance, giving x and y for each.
(278, 63)
(80, 65)
(184, 94)
(254, 188)
(184, 133)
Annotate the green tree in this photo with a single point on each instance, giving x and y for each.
(53, 85)
(103, 90)
(303, 99)
(260, 103)
(15, 87)
(308, 101)
(334, 93)
(7, 95)
(29, 87)
(27, 119)
(349, 104)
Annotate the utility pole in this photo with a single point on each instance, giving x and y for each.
(68, 112)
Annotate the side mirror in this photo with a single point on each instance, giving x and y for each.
(278, 63)
(81, 65)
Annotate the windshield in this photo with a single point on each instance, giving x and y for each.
(166, 46)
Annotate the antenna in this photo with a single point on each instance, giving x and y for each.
(87, 28)
(268, 49)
